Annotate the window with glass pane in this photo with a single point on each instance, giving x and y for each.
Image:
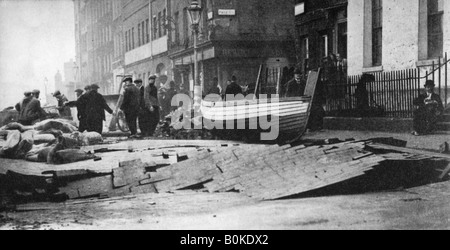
(435, 28)
(143, 32)
(163, 21)
(139, 34)
(342, 39)
(147, 32)
(155, 27)
(377, 32)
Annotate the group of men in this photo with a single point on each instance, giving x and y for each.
(30, 110)
(140, 103)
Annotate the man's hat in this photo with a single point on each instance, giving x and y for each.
(79, 91)
(95, 86)
(88, 87)
(152, 77)
(138, 81)
(57, 93)
(128, 79)
(27, 93)
(36, 91)
(429, 83)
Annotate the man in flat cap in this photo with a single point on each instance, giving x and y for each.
(296, 86)
(131, 105)
(64, 111)
(21, 106)
(429, 109)
(80, 104)
(151, 104)
(79, 92)
(30, 109)
(143, 116)
(95, 110)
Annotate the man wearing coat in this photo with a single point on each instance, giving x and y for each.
(21, 107)
(152, 104)
(131, 105)
(144, 114)
(64, 110)
(95, 110)
(430, 108)
(30, 109)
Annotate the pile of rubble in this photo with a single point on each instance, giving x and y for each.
(263, 172)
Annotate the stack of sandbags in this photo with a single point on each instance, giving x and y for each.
(62, 125)
(87, 138)
(17, 144)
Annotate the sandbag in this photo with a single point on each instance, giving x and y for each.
(87, 138)
(44, 139)
(11, 144)
(71, 122)
(38, 154)
(71, 156)
(62, 125)
(3, 134)
(16, 126)
(12, 140)
(25, 145)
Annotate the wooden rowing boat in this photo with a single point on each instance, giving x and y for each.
(289, 115)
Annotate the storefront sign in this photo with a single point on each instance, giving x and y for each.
(227, 12)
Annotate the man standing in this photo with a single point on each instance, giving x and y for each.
(233, 88)
(430, 107)
(31, 111)
(143, 115)
(64, 110)
(80, 104)
(215, 87)
(95, 110)
(131, 105)
(152, 104)
(295, 87)
(21, 107)
(81, 109)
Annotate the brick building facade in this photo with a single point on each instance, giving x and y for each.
(145, 37)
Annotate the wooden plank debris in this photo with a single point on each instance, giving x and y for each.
(409, 150)
(263, 172)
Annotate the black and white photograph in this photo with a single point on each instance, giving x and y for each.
(249, 116)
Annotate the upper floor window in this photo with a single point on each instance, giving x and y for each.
(377, 32)
(435, 28)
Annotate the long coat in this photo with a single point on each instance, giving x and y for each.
(233, 89)
(131, 100)
(96, 106)
(30, 111)
(64, 111)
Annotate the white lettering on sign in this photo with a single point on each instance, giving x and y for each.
(227, 12)
(299, 9)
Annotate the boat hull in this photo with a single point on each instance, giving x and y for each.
(289, 115)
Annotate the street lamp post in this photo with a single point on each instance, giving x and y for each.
(195, 14)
